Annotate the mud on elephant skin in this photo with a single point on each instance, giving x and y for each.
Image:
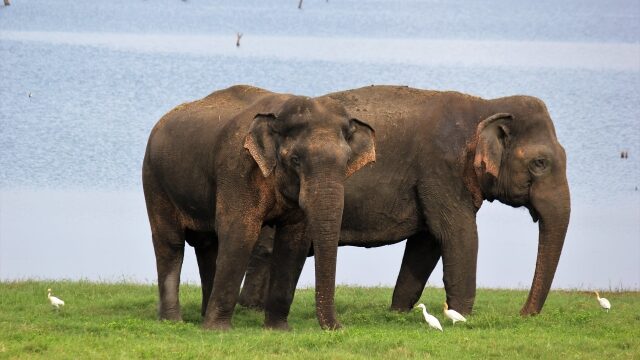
(439, 156)
(216, 170)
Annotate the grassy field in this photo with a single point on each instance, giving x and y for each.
(119, 321)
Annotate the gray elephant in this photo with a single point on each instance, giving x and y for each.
(439, 156)
(216, 170)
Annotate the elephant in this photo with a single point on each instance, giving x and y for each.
(439, 156)
(256, 280)
(218, 169)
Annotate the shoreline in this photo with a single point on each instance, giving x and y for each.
(104, 236)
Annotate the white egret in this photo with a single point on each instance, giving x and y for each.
(431, 320)
(603, 302)
(55, 302)
(453, 315)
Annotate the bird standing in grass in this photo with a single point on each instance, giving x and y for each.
(55, 302)
(431, 320)
(603, 302)
(453, 315)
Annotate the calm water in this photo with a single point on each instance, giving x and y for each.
(101, 74)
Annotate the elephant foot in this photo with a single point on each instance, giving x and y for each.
(330, 325)
(217, 319)
(281, 325)
(528, 310)
(217, 325)
(276, 321)
(401, 308)
(328, 319)
(170, 315)
(464, 307)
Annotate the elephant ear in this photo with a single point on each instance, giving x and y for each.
(361, 139)
(493, 136)
(261, 143)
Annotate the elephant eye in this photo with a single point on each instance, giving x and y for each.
(349, 133)
(295, 160)
(538, 166)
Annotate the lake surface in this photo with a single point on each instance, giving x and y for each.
(101, 74)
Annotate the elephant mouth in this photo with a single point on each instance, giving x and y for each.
(516, 200)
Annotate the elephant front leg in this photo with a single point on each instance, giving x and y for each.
(256, 281)
(206, 256)
(236, 239)
(169, 250)
(290, 251)
(421, 254)
(459, 244)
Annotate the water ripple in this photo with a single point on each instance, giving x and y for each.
(537, 54)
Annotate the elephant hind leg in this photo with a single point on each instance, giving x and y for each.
(421, 254)
(206, 248)
(168, 244)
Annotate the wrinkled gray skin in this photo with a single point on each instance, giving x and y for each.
(216, 170)
(439, 155)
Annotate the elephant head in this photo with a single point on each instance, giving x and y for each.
(310, 147)
(519, 162)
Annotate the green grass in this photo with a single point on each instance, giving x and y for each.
(119, 321)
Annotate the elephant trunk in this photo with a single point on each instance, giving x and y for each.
(551, 201)
(323, 201)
